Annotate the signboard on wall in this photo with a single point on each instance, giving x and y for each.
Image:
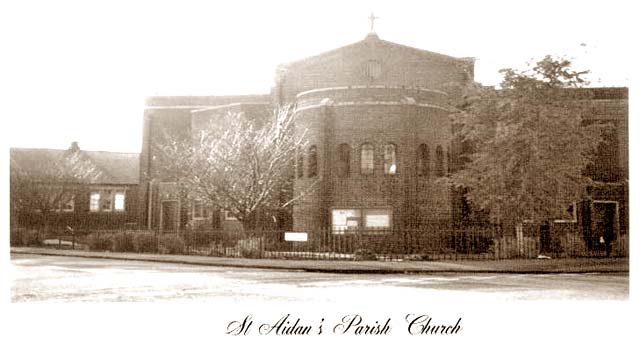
(295, 236)
(378, 220)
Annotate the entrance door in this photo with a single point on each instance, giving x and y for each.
(604, 224)
(169, 216)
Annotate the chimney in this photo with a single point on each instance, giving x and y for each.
(74, 147)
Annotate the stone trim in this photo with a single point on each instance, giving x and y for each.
(362, 103)
(209, 108)
(328, 89)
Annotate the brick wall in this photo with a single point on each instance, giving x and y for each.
(399, 66)
(353, 117)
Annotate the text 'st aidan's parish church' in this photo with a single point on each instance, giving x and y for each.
(379, 136)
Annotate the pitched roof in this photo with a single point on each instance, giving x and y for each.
(371, 39)
(204, 101)
(111, 167)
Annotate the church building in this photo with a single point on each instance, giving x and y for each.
(377, 118)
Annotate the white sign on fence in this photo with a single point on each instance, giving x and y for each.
(295, 236)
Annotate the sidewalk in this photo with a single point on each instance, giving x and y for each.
(523, 266)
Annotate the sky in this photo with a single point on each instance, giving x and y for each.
(80, 70)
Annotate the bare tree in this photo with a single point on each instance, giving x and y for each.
(40, 187)
(237, 164)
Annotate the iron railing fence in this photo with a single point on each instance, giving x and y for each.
(426, 243)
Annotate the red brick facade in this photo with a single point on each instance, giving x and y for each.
(374, 100)
(378, 95)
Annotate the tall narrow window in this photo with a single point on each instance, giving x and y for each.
(372, 69)
(344, 160)
(424, 160)
(106, 202)
(313, 162)
(366, 159)
(390, 163)
(118, 203)
(439, 161)
(94, 201)
(299, 163)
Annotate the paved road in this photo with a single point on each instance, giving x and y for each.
(66, 279)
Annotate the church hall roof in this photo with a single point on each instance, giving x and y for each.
(111, 167)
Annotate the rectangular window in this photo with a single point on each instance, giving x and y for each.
(106, 203)
(199, 210)
(228, 216)
(571, 215)
(69, 205)
(94, 201)
(119, 201)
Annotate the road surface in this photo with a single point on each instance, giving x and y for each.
(71, 279)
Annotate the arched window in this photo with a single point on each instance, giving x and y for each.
(313, 162)
(344, 160)
(299, 163)
(424, 160)
(439, 162)
(390, 163)
(366, 159)
(372, 69)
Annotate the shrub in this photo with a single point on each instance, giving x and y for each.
(471, 244)
(33, 238)
(364, 254)
(250, 247)
(144, 242)
(101, 241)
(170, 244)
(123, 242)
(556, 246)
(252, 253)
(15, 237)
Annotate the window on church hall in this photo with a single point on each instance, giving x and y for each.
(107, 200)
(118, 201)
(313, 162)
(439, 162)
(344, 160)
(366, 159)
(300, 163)
(106, 203)
(94, 201)
(390, 163)
(424, 160)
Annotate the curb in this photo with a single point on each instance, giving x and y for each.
(95, 255)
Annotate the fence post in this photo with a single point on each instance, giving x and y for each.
(520, 239)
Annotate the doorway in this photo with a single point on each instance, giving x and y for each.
(169, 216)
(604, 222)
